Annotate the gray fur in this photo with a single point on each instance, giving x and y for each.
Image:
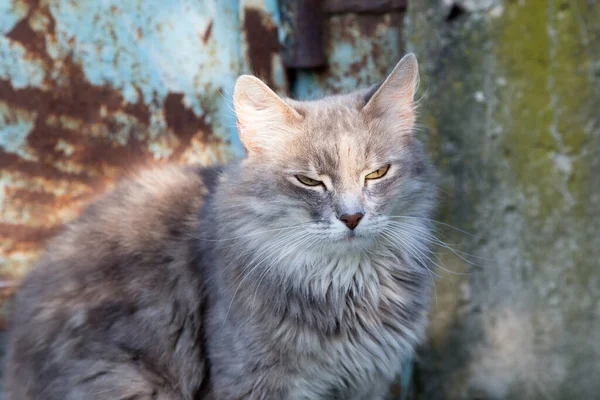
(240, 283)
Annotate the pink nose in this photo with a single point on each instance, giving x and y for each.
(351, 220)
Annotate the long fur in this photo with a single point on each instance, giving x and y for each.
(239, 282)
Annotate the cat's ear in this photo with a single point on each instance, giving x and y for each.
(262, 116)
(393, 100)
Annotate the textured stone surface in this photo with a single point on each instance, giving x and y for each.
(510, 111)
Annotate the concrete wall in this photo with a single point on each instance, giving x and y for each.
(511, 114)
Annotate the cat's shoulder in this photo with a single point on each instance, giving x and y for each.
(149, 211)
(137, 235)
(150, 215)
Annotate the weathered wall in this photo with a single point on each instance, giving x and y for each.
(510, 110)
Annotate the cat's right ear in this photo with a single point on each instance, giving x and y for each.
(262, 116)
(393, 100)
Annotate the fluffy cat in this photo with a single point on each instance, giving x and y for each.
(299, 272)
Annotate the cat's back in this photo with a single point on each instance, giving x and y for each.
(115, 303)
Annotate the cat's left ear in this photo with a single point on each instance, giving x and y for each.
(263, 117)
(394, 99)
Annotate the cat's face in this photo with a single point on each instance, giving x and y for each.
(346, 175)
(340, 169)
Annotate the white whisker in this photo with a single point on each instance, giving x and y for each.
(405, 237)
(431, 273)
(303, 241)
(426, 236)
(412, 251)
(253, 267)
(432, 221)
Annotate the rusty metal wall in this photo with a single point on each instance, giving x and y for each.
(90, 90)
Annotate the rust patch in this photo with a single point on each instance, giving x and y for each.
(12, 162)
(368, 24)
(30, 39)
(357, 67)
(23, 233)
(33, 41)
(207, 33)
(79, 99)
(139, 110)
(263, 43)
(82, 99)
(183, 121)
(26, 196)
(180, 118)
(91, 151)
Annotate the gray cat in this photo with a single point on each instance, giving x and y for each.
(300, 272)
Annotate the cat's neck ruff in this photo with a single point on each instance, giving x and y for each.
(340, 270)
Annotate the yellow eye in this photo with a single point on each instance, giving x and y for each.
(308, 181)
(379, 173)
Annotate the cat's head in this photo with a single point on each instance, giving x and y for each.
(340, 169)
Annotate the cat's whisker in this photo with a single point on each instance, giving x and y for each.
(293, 247)
(406, 239)
(264, 251)
(414, 252)
(271, 246)
(268, 253)
(424, 235)
(431, 273)
(303, 241)
(228, 101)
(424, 232)
(432, 221)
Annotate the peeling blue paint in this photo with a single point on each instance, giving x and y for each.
(156, 48)
(355, 59)
(15, 67)
(10, 14)
(15, 132)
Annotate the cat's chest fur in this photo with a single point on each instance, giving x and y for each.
(372, 340)
(338, 332)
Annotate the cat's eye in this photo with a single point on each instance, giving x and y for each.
(378, 173)
(308, 181)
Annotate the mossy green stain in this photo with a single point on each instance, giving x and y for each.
(540, 51)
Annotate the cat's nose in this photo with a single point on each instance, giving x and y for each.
(351, 220)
